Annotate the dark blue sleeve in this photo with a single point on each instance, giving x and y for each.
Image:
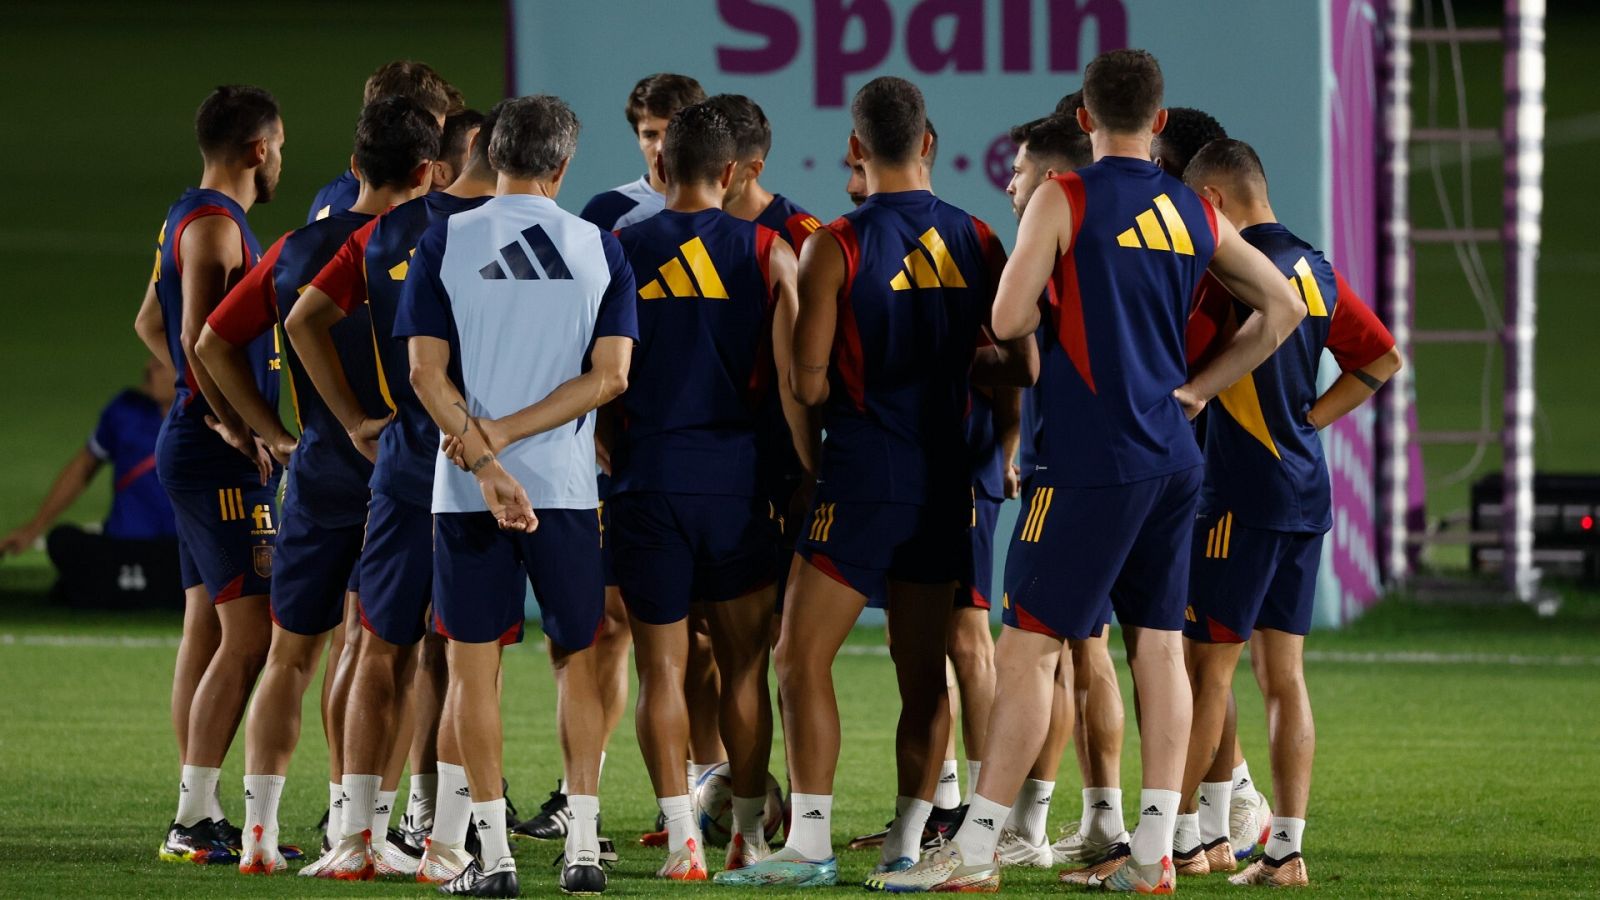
(103, 443)
(606, 207)
(424, 309)
(619, 311)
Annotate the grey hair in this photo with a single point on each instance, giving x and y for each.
(533, 136)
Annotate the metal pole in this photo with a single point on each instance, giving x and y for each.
(1524, 199)
(1394, 413)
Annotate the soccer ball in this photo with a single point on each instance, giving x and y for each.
(713, 804)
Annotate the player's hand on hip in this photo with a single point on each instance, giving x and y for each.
(365, 436)
(1191, 402)
(506, 499)
(1013, 481)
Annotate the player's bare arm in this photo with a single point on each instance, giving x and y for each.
(605, 381)
(821, 277)
(150, 325)
(805, 423)
(1008, 430)
(1256, 282)
(1352, 389)
(309, 327)
(1043, 235)
(230, 368)
(213, 263)
(507, 501)
(69, 485)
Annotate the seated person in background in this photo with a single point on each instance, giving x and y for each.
(132, 561)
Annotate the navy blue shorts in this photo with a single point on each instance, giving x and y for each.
(1078, 553)
(782, 495)
(1244, 578)
(481, 574)
(396, 570)
(226, 538)
(674, 549)
(316, 567)
(978, 580)
(865, 544)
(608, 567)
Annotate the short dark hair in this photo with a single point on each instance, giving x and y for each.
(890, 118)
(453, 141)
(1228, 158)
(1055, 139)
(230, 117)
(933, 145)
(1188, 129)
(661, 95)
(699, 143)
(480, 150)
(417, 82)
(751, 130)
(533, 136)
(1123, 89)
(393, 137)
(1070, 104)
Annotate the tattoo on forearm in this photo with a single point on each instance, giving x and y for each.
(465, 422)
(482, 461)
(1367, 380)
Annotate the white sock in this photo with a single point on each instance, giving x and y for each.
(599, 770)
(1186, 836)
(494, 852)
(750, 819)
(583, 833)
(904, 839)
(196, 784)
(261, 793)
(419, 802)
(360, 796)
(1215, 797)
(214, 804)
(1102, 814)
(1243, 784)
(812, 821)
(679, 813)
(382, 812)
(948, 794)
(973, 769)
(453, 809)
(1030, 815)
(980, 831)
(335, 811)
(1284, 837)
(1158, 820)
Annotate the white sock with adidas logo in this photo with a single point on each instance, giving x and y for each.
(1243, 785)
(335, 812)
(1215, 797)
(583, 834)
(1158, 822)
(812, 820)
(261, 793)
(980, 830)
(494, 852)
(382, 812)
(678, 812)
(453, 808)
(948, 794)
(1283, 839)
(1031, 814)
(419, 802)
(196, 784)
(360, 796)
(1102, 814)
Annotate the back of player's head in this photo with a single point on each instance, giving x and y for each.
(660, 95)
(457, 129)
(751, 130)
(1122, 90)
(1055, 142)
(1188, 129)
(1070, 104)
(232, 116)
(480, 148)
(417, 82)
(393, 137)
(1231, 163)
(533, 136)
(890, 119)
(698, 146)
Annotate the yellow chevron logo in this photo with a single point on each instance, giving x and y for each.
(928, 266)
(1219, 537)
(1147, 233)
(676, 276)
(822, 522)
(1306, 283)
(398, 270)
(1038, 508)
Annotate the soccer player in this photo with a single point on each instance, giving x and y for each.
(891, 307)
(651, 105)
(415, 81)
(691, 522)
(221, 481)
(1114, 442)
(455, 144)
(325, 503)
(1265, 506)
(510, 357)
(1188, 129)
(397, 556)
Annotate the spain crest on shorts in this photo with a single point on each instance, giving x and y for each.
(261, 556)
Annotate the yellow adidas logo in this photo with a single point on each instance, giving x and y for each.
(928, 266)
(1306, 283)
(1149, 228)
(1033, 526)
(822, 522)
(397, 272)
(678, 282)
(810, 224)
(1219, 536)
